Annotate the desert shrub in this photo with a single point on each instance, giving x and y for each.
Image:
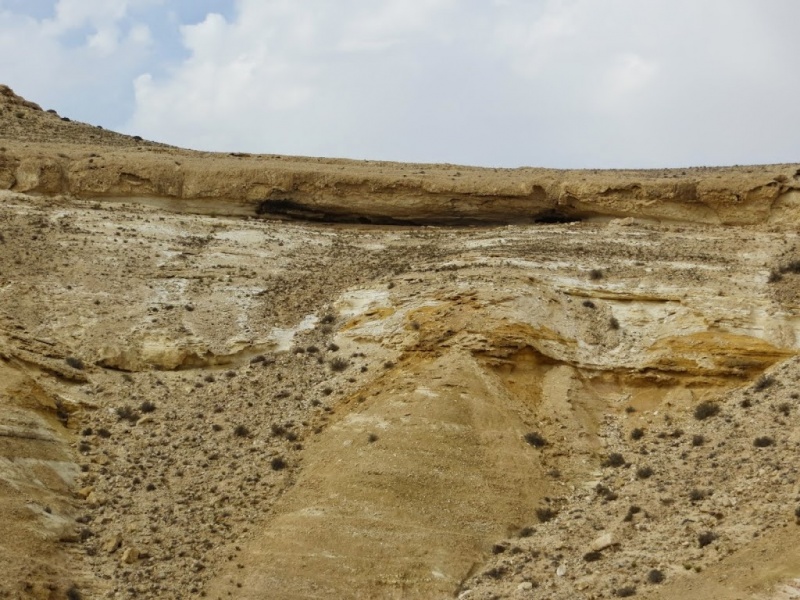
(632, 510)
(785, 408)
(495, 572)
(589, 304)
(613, 323)
(339, 364)
(706, 538)
(763, 383)
(655, 576)
(774, 276)
(637, 433)
(625, 592)
(595, 274)
(75, 363)
(147, 406)
(545, 514)
(615, 459)
(706, 409)
(698, 440)
(529, 531)
(605, 493)
(372, 438)
(278, 463)
(73, 593)
(328, 319)
(592, 556)
(797, 512)
(644, 472)
(535, 439)
(763, 442)
(241, 431)
(697, 495)
(127, 413)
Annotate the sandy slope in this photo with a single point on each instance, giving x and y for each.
(200, 399)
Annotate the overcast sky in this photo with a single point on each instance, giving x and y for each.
(554, 83)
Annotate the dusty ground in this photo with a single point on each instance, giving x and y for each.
(200, 400)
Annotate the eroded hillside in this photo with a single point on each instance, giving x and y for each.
(248, 376)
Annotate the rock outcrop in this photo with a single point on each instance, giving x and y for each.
(236, 376)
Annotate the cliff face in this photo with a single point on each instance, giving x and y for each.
(237, 376)
(90, 163)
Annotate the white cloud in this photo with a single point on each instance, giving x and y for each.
(80, 59)
(627, 74)
(507, 82)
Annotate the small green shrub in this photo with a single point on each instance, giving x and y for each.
(655, 576)
(73, 593)
(625, 592)
(529, 531)
(75, 363)
(637, 433)
(339, 364)
(764, 382)
(763, 442)
(535, 439)
(592, 556)
(615, 459)
(706, 538)
(605, 493)
(632, 510)
(697, 495)
(127, 413)
(706, 409)
(545, 514)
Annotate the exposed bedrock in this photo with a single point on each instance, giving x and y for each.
(392, 193)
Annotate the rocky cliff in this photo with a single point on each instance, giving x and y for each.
(262, 376)
(103, 165)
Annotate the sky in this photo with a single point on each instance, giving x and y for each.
(496, 83)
